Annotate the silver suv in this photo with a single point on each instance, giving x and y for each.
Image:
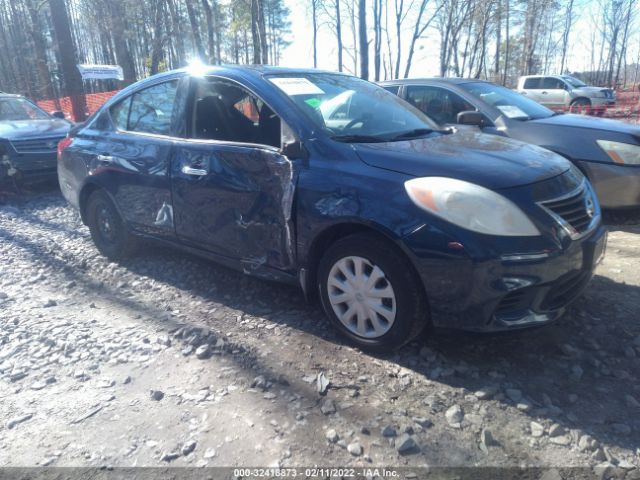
(564, 91)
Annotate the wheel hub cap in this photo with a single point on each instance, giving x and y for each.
(361, 297)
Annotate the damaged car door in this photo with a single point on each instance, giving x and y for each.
(232, 186)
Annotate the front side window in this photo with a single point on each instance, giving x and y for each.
(147, 111)
(349, 109)
(552, 83)
(437, 103)
(15, 109)
(511, 104)
(225, 111)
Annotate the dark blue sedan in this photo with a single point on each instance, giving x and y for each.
(28, 139)
(332, 183)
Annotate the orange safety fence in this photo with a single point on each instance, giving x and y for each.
(627, 107)
(93, 102)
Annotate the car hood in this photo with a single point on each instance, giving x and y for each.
(593, 123)
(489, 160)
(23, 129)
(588, 90)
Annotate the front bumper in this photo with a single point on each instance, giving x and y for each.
(617, 186)
(509, 292)
(29, 166)
(602, 103)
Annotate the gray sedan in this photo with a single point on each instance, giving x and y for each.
(607, 151)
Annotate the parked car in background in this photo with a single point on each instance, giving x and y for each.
(606, 151)
(330, 182)
(28, 139)
(566, 92)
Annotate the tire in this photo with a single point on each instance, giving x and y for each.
(580, 106)
(108, 230)
(404, 305)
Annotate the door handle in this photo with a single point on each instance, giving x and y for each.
(544, 93)
(187, 170)
(105, 158)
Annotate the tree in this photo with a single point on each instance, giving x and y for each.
(71, 75)
(362, 35)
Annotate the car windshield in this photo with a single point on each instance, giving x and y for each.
(510, 103)
(352, 110)
(574, 82)
(12, 109)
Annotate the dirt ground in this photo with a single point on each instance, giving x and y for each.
(170, 360)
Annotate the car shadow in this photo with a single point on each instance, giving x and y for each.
(575, 372)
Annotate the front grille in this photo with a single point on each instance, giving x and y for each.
(576, 210)
(36, 145)
(564, 290)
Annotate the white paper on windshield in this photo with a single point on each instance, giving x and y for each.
(296, 86)
(511, 111)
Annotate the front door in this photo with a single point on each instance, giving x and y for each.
(232, 188)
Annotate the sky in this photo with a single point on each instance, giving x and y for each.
(426, 61)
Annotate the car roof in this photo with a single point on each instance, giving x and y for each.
(418, 81)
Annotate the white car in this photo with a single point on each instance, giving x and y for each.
(564, 91)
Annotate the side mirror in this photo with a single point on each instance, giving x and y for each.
(294, 150)
(470, 117)
(58, 114)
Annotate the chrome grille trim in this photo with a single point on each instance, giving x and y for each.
(36, 145)
(577, 212)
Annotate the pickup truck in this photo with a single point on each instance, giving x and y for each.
(566, 92)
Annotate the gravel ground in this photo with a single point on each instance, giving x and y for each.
(166, 359)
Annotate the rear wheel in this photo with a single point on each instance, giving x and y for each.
(580, 106)
(108, 230)
(370, 292)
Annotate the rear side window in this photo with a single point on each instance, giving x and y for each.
(532, 83)
(552, 83)
(392, 88)
(148, 111)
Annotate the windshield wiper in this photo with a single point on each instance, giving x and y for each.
(358, 139)
(415, 133)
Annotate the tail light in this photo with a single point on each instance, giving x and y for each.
(62, 144)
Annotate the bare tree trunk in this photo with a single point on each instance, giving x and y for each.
(377, 37)
(197, 39)
(568, 20)
(506, 44)
(123, 54)
(418, 31)
(314, 8)
(399, 4)
(364, 43)
(208, 13)
(70, 73)
(339, 34)
(156, 51)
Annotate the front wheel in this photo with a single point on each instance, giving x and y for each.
(370, 292)
(108, 230)
(581, 106)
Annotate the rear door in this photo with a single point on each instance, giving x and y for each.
(130, 157)
(553, 92)
(532, 88)
(232, 187)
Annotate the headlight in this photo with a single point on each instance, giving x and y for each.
(470, 206)
(621, 153)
